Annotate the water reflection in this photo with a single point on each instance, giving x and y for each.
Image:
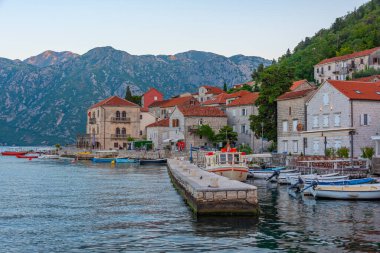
(63, 206)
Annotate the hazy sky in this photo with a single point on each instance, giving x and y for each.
(251, 27)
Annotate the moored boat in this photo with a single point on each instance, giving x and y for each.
(230, 164)
(13, 152)
(105, 156)
(28, 156)
(152, 161)
(347, 192)
(125, 160)
(264, 174)
(103, 159)
(43, 156)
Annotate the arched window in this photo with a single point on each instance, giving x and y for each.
(93, 114)
(117, 131)
(124, 114)
(123, 131)
(117, 114)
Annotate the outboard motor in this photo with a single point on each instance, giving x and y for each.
(275, 174)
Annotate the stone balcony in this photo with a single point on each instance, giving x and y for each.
(92, 121)
(120, 136)
(120, 120)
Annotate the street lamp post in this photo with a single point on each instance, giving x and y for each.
(262, 137)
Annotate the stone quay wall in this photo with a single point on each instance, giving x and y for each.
(210, 194)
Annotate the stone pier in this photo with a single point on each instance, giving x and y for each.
(210, 194)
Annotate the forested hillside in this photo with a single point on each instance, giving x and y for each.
(358, 30)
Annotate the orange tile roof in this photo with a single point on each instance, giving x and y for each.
(157, 103)
(213, 90)
(199, 111)
(349, 56)
(152, 89)
(173, 102)
(144, 110)
(367, 78)
(114, 101)
(296, 84)
(295, 94)
(247, 99)
(357, 90)
(222, 98)
(160, 123)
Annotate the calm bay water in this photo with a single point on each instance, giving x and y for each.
(58, 206)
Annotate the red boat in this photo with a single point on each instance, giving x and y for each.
(27, 156)
(13, 153)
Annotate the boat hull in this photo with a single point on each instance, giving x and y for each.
(49, 157)
(125, 160)
(27, 156)
(13, 153)
(354, 192)
(234, 173)
(266, 174)
(103, 160)
(152, 162)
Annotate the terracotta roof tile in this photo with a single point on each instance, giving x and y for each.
(157, 103)
(349, 56)
(144, 110)
(373, 78)
(247, 99)
(160, 123)
(213, 90)
(199, 111)
(178, 101)
(296, 84)
(295, 94)
(114, 101)
(222, 98)
(357, 90)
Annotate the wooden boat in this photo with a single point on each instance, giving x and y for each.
(264, 174)
(348, 192)
(152, 161)
(125, 160)
(283, 178)
(48, 156)
(295, 179)
(230, 164)
(27, 156)
(103, 159)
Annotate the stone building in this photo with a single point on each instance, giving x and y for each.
(146, 118)
(184, 122)
(157, 132)
(238, 112)
(163, 109)
(342, 114)
(342, 67)
(151, 96)
(207, 92)
(110, 123)
(291, 117)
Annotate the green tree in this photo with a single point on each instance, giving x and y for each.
(226, 133)
(225, 87)
(206, 131)
(275, 80)
(128, 94)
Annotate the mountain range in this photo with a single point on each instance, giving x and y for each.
(45, 97)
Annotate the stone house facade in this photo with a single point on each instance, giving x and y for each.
(158, 132)
(184, 122)
(342, 114)
(342, 67)
(110, 123)
(207, 92)
(146, 118)
(163, 109)
(291, 117)
(238, 112)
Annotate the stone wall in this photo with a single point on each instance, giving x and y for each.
(208, 193)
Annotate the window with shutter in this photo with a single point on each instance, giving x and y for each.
(325, 120)
(295, 123)
(325, 99)
(295, 146)
(285, 146)
(284, 126)
(337, 119)
(315, 121)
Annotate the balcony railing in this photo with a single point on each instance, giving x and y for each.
(92, 121)
(193, 129)
(120, 120)
(120, 136)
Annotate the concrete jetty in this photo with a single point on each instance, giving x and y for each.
(210, 194)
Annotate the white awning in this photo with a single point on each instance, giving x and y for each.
(166, 140)
(376, 138)
(330, 132)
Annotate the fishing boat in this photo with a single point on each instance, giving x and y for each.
(28, 156)
(295, 179)
(230, 164)
(105, 156)
(44, 156)
(13, 151)
(283, 177)
(264, 174)
(125, 160)
(347, 192)
(160, 161)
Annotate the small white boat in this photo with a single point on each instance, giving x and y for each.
(283, 178)
(48, 157)
(295, 179)
(230, 164)
(349, 192)
(264, 174)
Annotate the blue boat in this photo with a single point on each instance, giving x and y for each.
(103, 160)
(349, 182)
(126, 160)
